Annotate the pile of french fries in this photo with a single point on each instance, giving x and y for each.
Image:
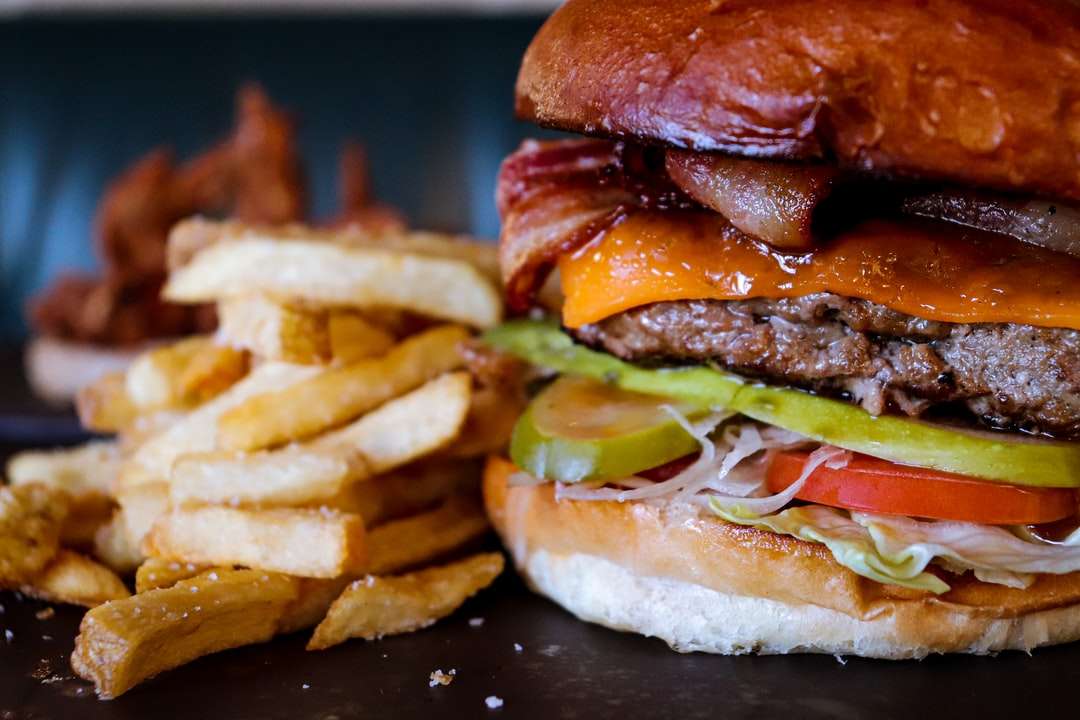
(293, 471)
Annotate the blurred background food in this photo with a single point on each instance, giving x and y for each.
(120, 118)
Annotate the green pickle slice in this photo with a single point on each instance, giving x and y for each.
(578, 429)
(998, 457)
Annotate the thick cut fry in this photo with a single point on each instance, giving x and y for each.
(397, 433)
(211, 372)
(77, 580)
(406, 543)
(407, 491)
(196, 432)
(332, 274)
(196, 234)
(305, 543)
(31, 519)
(339, 395)
(354, 338)
(140, 506)
(85, 517)
(85, 469)
(86, 473)
(373, 607)
(409, 427)
(153, 380)
(274, 330)
(124, 642)
(314, 597)
(104, 405)
(112, 546)
(287, 477)
(157, 573)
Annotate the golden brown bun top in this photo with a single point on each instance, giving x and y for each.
(980, 92)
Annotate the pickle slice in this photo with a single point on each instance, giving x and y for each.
(581, 429)
(998, 457)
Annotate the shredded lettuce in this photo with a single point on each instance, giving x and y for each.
(848, 541)
(897, 550)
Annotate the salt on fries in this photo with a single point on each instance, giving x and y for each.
(124, 642)
(278, 475)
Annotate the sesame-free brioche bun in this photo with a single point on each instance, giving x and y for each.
(978, 92)
(702, 584)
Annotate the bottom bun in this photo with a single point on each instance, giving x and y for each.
(702, 584)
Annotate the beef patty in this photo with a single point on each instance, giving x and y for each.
(1009, 376)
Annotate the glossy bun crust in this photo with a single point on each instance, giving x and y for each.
(706, 585)
(979, 92)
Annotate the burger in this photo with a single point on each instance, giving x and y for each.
(813, 381)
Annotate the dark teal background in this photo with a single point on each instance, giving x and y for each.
(430, 97)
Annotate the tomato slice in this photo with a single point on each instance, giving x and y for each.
(872, 485)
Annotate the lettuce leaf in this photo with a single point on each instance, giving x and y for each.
(849, 542)
(897, 550)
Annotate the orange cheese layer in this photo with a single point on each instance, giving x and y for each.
(920, 268)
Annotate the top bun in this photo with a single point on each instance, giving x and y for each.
(979, 92)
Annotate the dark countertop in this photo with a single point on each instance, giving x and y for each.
(566, 669)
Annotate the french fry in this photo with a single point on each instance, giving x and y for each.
(314, 597)
(85, 469)
(443, 288)
(31, 520)
(186, 372)
(124, 642)
(191, 236)
(374, 607)
(155, 573)
(211, 372)
(152, 381)
(140, 507)
(397, 433)
(274, 330)
(291, 476)
(112, 547)
(196, 432)
(336, 396)
(301, 542)
(86, 473)
(104, 405)
(77, 580)
(409, 542)
(354, 338)
(86, 516)
(408, 427)
(406, 491)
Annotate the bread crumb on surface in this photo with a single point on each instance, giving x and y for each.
(438, 677)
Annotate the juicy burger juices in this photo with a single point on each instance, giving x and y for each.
(815, 382)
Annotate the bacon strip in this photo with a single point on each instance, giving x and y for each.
(555, 196)
(768, 200)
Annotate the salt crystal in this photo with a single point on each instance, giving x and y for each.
(8, 635)
(518, 647)
(476, 622)
(493, 702)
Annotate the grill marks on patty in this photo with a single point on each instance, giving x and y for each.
(1008, 375)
